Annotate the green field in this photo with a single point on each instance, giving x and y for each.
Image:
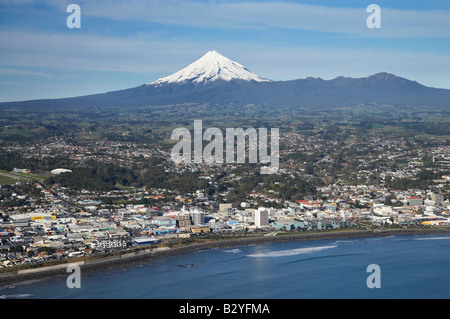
(29, 176)
(8, 178)
(5, 180)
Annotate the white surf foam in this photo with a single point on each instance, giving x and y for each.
(233, 251)
(432, 238)
(291, 252)
(16, 296)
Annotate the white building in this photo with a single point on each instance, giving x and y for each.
(109, 243)
(58, 171)
(261, 218)
(198, 217)
(245, 205)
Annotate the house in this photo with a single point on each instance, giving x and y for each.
(309, 204)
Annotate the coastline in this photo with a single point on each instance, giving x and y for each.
(135, 258)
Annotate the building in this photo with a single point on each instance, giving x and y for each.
(437, 198)
(167, 221)
(58, 171)
(261, 218)
(103, 244)
(26, 217)
(245, 205)
(289, 224)
(200, 229)
(414, 201)
(224, 207)
(198, 218)
(150, 212)
(183, 220)
(145, 241)
(22, 170)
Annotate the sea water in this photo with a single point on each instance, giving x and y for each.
(409, 267)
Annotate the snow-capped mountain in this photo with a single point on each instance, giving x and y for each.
(216, 80)
(211, 67)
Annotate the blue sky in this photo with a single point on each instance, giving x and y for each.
(124, 44)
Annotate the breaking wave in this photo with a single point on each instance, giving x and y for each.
(233, 251)
(291, 252)
(431, 238)
(16, 296)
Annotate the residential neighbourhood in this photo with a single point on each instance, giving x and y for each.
(53, 231)
(356, 186)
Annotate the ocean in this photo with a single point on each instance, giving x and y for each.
(406, 267)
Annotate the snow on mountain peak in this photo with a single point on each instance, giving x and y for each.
(211, 67)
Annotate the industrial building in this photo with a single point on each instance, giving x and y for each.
(145, 241)
(26, 217)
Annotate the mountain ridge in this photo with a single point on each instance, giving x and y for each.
(201, 82)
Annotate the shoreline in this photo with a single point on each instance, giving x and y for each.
(145, 256)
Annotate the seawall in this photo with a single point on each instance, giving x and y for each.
(144, 256)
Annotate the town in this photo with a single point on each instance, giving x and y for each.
(322, 185)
